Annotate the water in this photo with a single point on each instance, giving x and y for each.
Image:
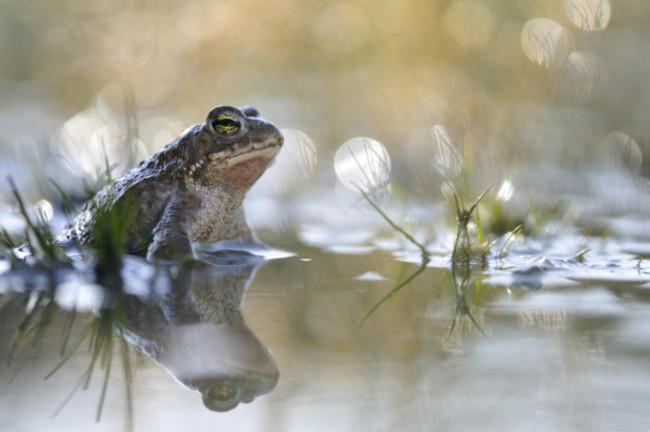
(553, 345)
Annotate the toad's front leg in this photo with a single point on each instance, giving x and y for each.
(171, 236)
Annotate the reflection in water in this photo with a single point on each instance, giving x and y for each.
(188, 319)
(197, 332)
(462, 278)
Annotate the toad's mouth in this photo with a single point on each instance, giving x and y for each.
(235, 155)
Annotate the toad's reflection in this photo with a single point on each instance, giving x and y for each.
(196, 330)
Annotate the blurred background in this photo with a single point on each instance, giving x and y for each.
(518, 86)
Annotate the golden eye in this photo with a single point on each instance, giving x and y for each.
(226, 123)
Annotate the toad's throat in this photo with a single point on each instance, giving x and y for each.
(240, 169)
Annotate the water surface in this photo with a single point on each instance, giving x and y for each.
(446, 352)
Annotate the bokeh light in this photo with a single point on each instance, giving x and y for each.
(506, 191)
(362, 164)
(92, 145)
(546, 42)
(589, 15)
(43, 210)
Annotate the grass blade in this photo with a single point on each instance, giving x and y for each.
(408, 237)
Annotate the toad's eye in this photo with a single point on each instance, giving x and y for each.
(226, 123)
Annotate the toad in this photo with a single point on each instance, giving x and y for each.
(191, 191)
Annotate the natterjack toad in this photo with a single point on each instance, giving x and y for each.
(192, 190)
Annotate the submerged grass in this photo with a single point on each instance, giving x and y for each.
(110, 234)
(460, 257)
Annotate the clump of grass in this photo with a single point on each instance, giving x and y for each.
(110, 234)
(38, 237)
(466, 247)
(460, 260)
(463, 245)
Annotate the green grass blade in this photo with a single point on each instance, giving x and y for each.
(410, 238)
(80, 339)
(478, 200)
(107, 360)
(6, 241)
(510, 240)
